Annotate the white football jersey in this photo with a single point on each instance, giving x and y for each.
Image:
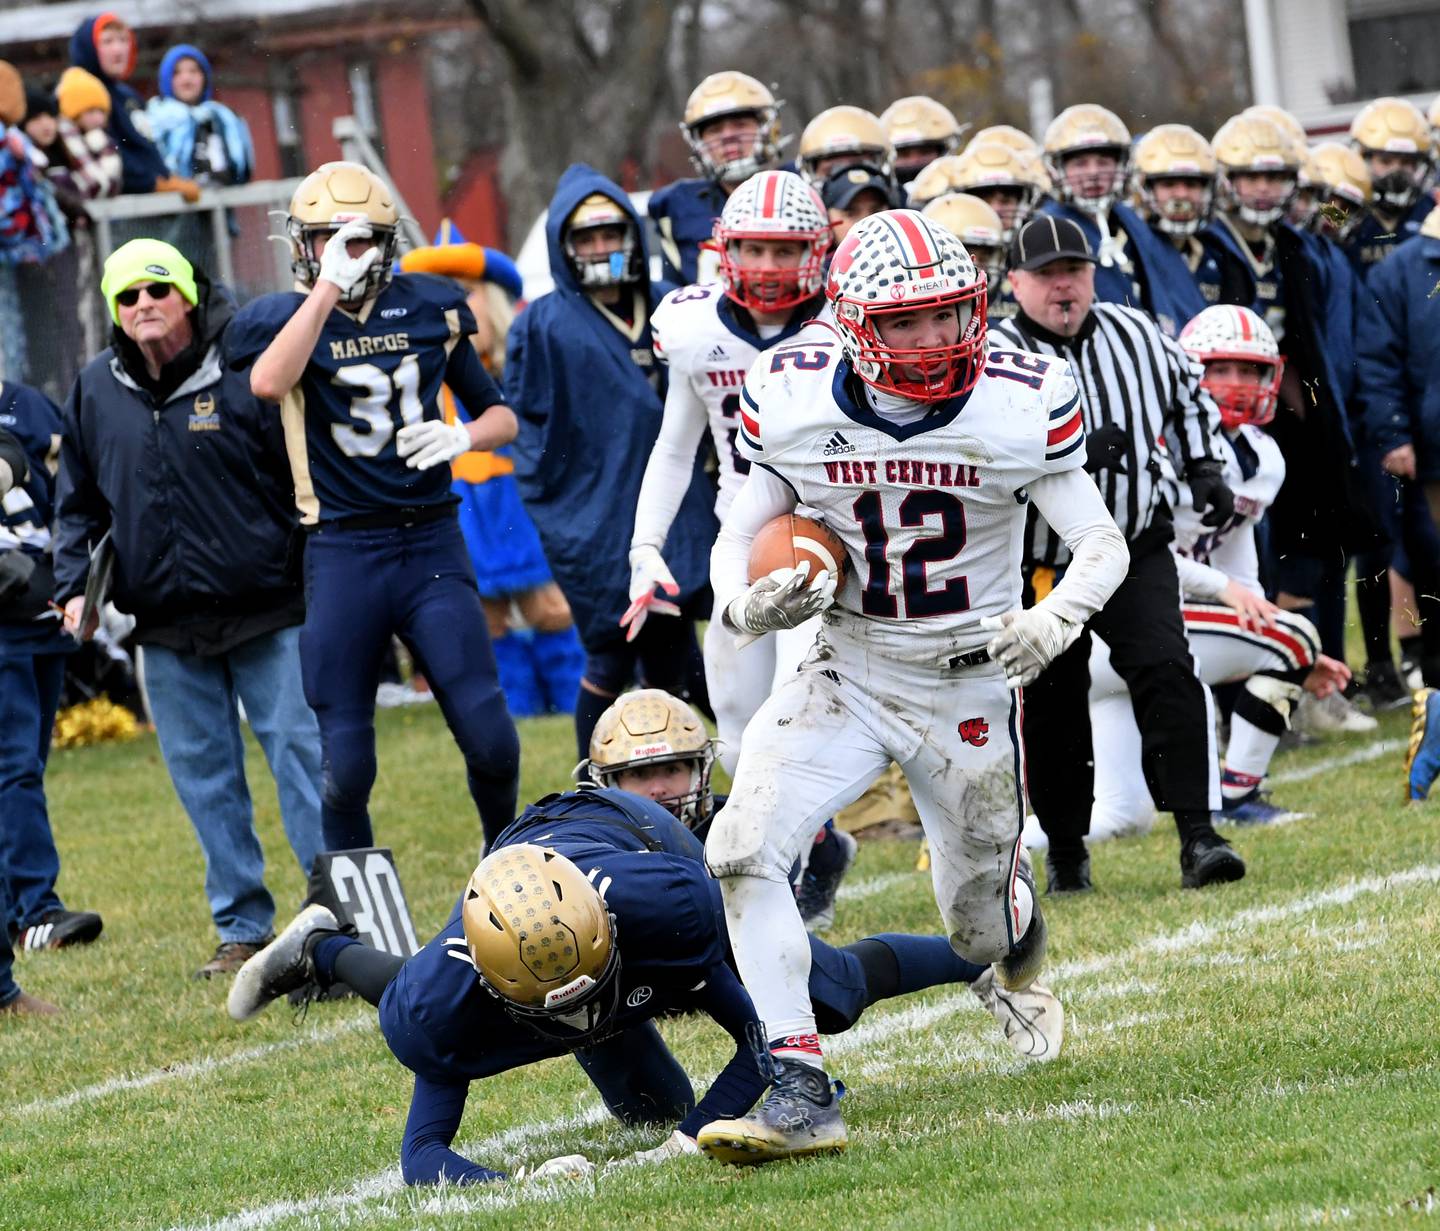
(710, 348)
(1254, 470)
(932, 512)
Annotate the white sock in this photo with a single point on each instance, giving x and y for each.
(773, 954)
(1247, 757)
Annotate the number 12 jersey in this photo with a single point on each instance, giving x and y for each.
(931, 508)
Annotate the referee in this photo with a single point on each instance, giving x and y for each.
(1144, 411)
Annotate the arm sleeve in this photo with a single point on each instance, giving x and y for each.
(765, 496)
(425, 1153)
(740, 1082)
(671, 464)
(1380, 359)
(1073, 506)
(474, 388)
(1194, 419)
(1199, 580)
(82, 515)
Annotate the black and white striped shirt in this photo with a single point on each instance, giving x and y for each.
(1132, 375)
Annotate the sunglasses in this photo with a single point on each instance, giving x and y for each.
(157, 291)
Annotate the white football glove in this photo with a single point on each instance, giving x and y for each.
(565, 1167)
(1028, 642)
(781, 600)
(431, 442)
(647, 570)
(677, 1145)
(338, 266)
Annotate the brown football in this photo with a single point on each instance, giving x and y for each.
(788, 539)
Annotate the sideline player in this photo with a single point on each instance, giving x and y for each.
(945, 444)
(356, 361)
(1234, 633)
(633, 900)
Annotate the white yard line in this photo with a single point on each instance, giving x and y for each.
(1369, 752)
(189, 1069)
(874, 885)
(878, 1028)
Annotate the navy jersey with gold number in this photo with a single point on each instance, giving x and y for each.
(371, 374)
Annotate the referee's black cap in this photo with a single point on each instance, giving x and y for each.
(1046, 238)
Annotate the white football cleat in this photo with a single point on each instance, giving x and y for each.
(1033, 1021)
(282, 966)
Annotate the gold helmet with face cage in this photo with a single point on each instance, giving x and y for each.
(732, 93)
(1086, 128)
(920, 120)
(542, 941)
(1174, 151)
(650, 727)
(1394, 126)
(330, 196)
(843, 132)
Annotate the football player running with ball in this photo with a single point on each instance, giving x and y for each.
(356, 360)
(919, 449)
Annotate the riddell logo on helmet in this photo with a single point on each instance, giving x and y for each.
(652, 750)
(563, 995)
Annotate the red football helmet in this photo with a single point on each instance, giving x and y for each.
(773, 205)
(892, 264)
(1228, 332)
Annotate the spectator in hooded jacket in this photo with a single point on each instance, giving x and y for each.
(166, 448)
(84, 152)
(199, 138)
(106, 47)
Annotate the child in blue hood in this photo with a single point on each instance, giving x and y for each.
(198, 137)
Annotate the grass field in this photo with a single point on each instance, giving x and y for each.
(1259, 1055)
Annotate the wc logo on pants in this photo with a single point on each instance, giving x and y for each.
(975, 731)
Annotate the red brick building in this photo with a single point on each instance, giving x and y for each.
(291, 67)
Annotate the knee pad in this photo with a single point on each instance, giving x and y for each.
(975, 918)
(1267, 701)
(737, 845)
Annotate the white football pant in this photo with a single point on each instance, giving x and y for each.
(739, 680)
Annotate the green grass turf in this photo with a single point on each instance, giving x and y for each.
(1262, 1054)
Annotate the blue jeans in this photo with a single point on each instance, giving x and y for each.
(193, 702)
(8, 988)
(29, 692)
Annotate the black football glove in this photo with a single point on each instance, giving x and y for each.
(1105, 448)
(1210, 493)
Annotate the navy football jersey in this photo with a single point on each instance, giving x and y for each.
(370, 375)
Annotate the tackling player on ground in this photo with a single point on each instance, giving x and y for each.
(356, 359)
(934, 448)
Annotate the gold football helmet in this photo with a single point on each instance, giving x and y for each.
(1175, 152)
(608, 269)
(1008, 134)
(843, 135)
(330, 196)
(1286, 122)
(1251, 143)
(732, 93)
(977, 226)
(1007, 179)
(650, 727)
(1082, 129)
(1394, 126)
(542, 942)
(1336, 184)
(920, 130)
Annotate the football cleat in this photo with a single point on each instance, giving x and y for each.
(1209, 860)
(1033, 1021)
(1255, 809)
(1019, 968)
(1422, 757)
(1332, 715)
(1066, 875)
(800, 1116)
(819, 885)
(58, 929)
(281, 966)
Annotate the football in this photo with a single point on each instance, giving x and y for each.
(789, 539)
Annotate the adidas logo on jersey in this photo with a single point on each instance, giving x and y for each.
(836, 445)
(717, 355)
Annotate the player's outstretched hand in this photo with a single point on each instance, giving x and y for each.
(566, 1167)
(1028, 641)
(430, 443)
(781, 599)
(647, 570)
(1256, 612)
(338, 266)
(1326, 676)
(677, 1145)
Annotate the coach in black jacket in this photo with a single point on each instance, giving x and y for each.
(167, 449)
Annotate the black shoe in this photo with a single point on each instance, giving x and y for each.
(58, 929)
(800, 1116)
(1067, 874)
(1383, 687)
(1208, 860)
